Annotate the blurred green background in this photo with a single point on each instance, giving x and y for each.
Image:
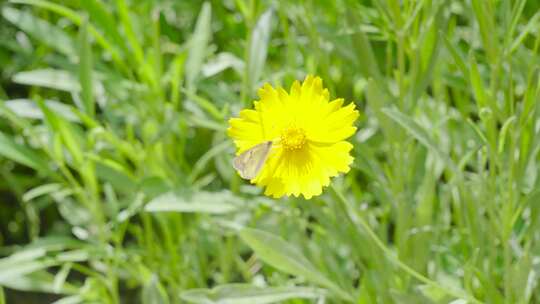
(116, 184)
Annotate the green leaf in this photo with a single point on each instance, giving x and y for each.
(72, 140)
(434, 294)
(504, 131)
(477, 83)
(102, 17)
(23, 263)
(129, 31)
(21, 154)
(456, 55)
(40, 30)
(222, 62)
(528, 29)
(74, 17)
(198, 202)
(114, 173)
(216, 150)
(154, 293)
(248, 294)
(377, 100)
(287, 258)
(484, 13)
(364, 52)
(48, 78)
(429, 53)
(85, 70)
(198, 46)
(55, 243)
(29, 109)
(39, 281)
(258, 48)
(59, 80)
(415, 130)
(41, 190)
(60, 277)
(70, 300)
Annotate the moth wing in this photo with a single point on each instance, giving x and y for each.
(249, 163)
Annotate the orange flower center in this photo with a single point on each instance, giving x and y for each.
(293, 138)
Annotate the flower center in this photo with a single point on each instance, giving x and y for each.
(293, 138)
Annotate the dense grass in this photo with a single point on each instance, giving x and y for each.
(116, 182)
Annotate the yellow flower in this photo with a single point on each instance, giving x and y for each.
(308, 134)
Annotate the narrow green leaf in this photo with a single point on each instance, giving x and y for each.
(377, 100)
(458, 58)
(483, 11)
(477, 83)
(177, 74)
(222, 62)
(114, 173)
(39, 281)
(41, 190)
(287, 258)
(198, 46)
(531, 26)
(429, 53)
(85, 70)
(367, 61)
(517, 10)
(101, 15)
(54, 243)
(199, 202)
(21, 154)
(48, 78)
(9, 271)
(74, 17)
(248, 294)
(260, 37)
(67, 132)
(70, 300)
(40, 30)
(60, 277)
(204, 104)
(154, 293)
(213, 152)
(415, 130)
(29, 109)
(125, 20)
(504, 131)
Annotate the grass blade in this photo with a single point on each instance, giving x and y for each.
(104, 20)
(248, 294)
(199, 202)
(40, 30)
(198, 46)
(258, 48)
(415, 130)
(154, 293)
(48, 78)
(364, 53)
(21, 154)
(85, 70)
(287, 258)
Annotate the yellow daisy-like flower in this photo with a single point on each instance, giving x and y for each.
(308, 134)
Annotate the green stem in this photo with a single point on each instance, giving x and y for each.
(358, 220)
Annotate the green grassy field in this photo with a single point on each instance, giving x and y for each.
(116, 176)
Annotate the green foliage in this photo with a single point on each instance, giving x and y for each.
(116, 182)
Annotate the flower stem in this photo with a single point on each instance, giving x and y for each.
(358, 220)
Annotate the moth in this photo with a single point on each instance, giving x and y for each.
(249, 163)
